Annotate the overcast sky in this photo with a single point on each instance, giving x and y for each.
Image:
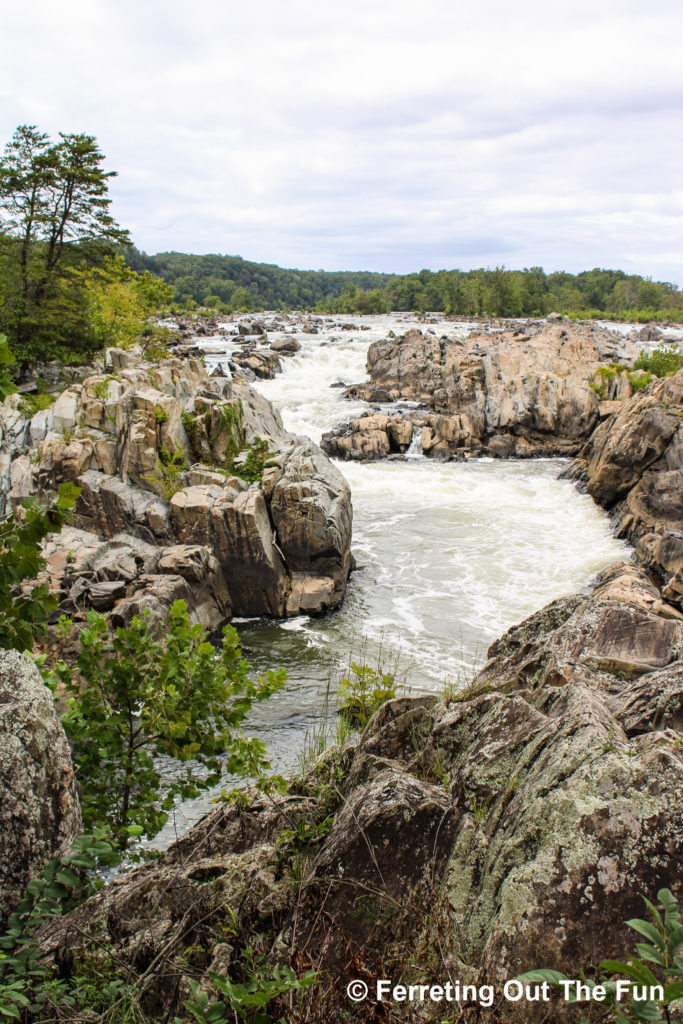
(372, 134)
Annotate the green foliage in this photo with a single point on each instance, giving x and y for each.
(173, 466)
(640, 381)
(659, 962)
(257, 459)
(7, 386)
(238, 284)
(28, 986)
(662, 362)
(24, 612)
(140, 695)
(56, 225)
(31, 404)
(363, 691)
(248, 1000)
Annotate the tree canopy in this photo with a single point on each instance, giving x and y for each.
(231, 283)
(55, 227)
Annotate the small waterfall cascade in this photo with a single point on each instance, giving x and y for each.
(415, 448)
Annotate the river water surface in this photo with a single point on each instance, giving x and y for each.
(449, 554)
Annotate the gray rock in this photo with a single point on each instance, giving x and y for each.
(39, 812)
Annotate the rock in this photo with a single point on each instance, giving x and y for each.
(286, 346)
(254, 568)
(39, 812)
(633, 466)
(506, 394)
(311, 511)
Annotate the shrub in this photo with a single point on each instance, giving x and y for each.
(24, 612)
(139, 696)
(661, 362)
(363, 691)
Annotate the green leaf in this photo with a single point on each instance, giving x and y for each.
(649, 931)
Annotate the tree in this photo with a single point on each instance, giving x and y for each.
(54, 221)
(142, 694)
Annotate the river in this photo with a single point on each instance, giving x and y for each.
(449, 554)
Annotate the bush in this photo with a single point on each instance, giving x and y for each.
(661, 362)
(24, 612)
(139, 696)
(363, 691)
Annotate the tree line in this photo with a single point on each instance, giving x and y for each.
(229, 283)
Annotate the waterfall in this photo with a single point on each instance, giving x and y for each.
(415, 448)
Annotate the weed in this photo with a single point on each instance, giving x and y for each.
(101, 388)
(363, 691)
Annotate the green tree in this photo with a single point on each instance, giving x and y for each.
(55, 220)
(6, 359)
(119, 302)
(24, 611)
(142, 694)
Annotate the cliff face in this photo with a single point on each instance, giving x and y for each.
(632, 465)
(516, 393)
(162, 515)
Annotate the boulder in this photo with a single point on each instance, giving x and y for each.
(39, 812)
(311, 512)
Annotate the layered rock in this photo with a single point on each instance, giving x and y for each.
(633, 466)
(157, 451)
(516, 393)
(39, 812)
(512, 826)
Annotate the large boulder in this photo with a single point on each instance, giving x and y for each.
(39, 812)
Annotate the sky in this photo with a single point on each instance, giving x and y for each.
(368, 134)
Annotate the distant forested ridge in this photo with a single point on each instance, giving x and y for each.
(231, 283)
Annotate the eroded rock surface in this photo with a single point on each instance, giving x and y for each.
(522, 392)
(39, 812)
(633, 466)
(163, 514)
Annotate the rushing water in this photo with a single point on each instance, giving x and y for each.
(449, 554)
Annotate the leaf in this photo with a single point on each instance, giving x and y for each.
(649, 931)
(673, 991)
(552, 977)
(635, 969)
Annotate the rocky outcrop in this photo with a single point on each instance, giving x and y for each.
(160, 453)
(633, 466)
(516, 393)
(39, 812)
(513, 825)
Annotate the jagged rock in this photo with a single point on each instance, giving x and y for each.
(311, 512)
(633, 466)
(506, 395)
(253, 564)
(39, 812)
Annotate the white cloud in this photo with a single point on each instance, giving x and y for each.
(372, 134)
